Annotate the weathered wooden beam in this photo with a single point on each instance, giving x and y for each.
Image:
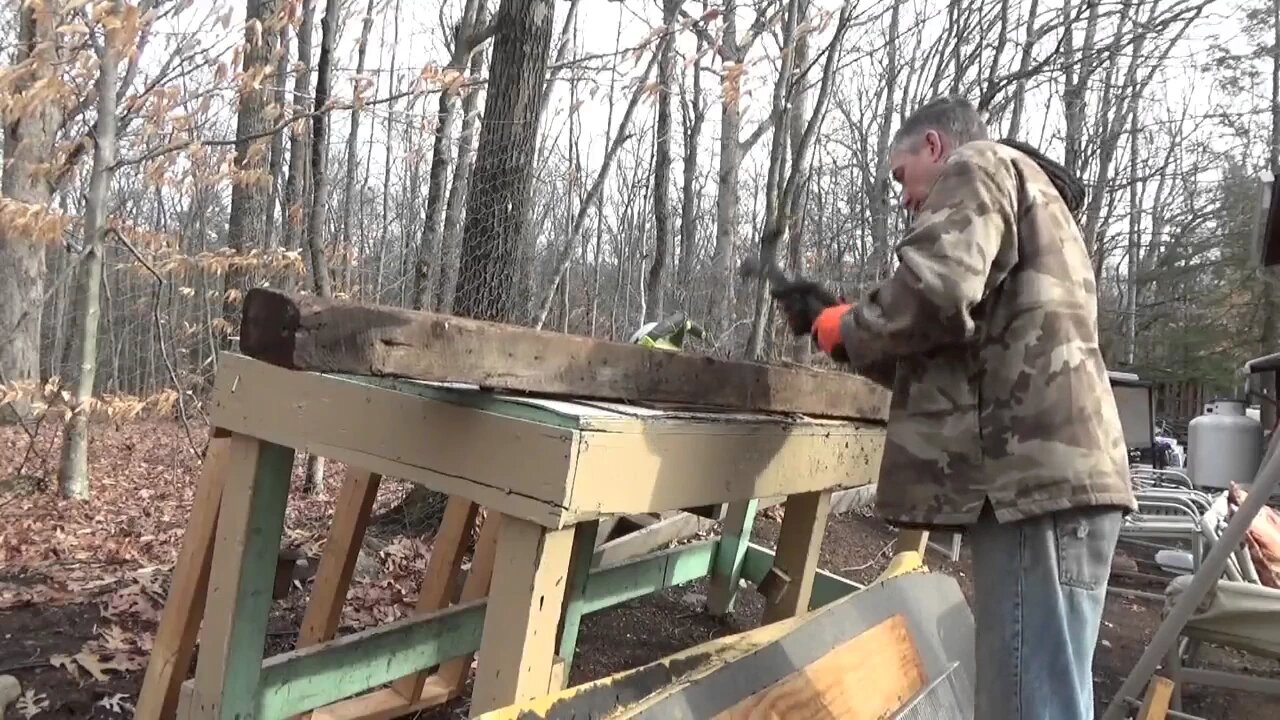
(305, 332)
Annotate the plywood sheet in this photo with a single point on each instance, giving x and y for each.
(715, 677)
(866, 678)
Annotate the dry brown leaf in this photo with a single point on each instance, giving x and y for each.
(114, 638)
(68, 663)
(117, 703)
(93, 664)
(31, 704)
(97, 666)
(124, 662)
(131, 600)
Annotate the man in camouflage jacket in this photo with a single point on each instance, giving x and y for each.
(1002, 423)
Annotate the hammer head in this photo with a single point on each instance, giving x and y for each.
(801, 299)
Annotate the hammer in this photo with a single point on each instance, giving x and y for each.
(802, 300)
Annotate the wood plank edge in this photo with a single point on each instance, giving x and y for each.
(386, 703)
(686, 525)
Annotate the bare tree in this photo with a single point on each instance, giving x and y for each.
(31, 120)
(468, 34)
(251, 189)
(662, 168)
(313, 481)
(565, 254)
(461, 181)
(353, 135)
(496, 212)
(295, 216)
(693, 114)
(73, 479)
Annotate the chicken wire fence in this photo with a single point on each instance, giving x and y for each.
(493, 228)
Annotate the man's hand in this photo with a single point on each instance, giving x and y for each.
(801, 302)
(826, 331)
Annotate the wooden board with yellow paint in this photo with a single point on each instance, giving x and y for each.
(553, 462)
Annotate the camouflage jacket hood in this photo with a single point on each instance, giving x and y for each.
(987, 334)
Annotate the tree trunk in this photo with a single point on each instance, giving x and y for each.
(313, 482)
(1135, 229)
(694, 115)
(346, 253)
(295, 188)
(28, 144)
(503, 175)
(73, 476)
(1020, 90)
(1075, 85)
(458, 188)
(427, 270)
(880, 185)
(251, 192)
(787, 191)
(1269, 305)
(727, 177)
(773, 229)
(386, 162)
(662, 171)
(320, 155)
(800, 347)
(277, 139)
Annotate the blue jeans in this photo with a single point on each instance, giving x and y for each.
(1039, 589)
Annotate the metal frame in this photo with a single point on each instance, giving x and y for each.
(1167, 637)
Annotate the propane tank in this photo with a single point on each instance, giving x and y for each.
(1224, 446)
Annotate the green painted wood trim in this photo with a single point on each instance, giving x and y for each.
(302, 680)
(726, 569)
(268, 497)
(827, 587)
(321, 674)
(483, 401)
(584, 545)
(615, 584)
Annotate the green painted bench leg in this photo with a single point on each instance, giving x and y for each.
(575, 600)
(726, 569)
(247, 543)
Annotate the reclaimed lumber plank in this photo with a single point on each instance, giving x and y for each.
(305, 332)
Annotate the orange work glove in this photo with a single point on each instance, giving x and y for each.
(826, 328)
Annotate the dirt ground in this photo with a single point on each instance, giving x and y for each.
(76, 625)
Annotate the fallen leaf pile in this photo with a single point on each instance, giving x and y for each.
(115, 552)
(143, 478)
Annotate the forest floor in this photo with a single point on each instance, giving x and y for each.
(82, 583)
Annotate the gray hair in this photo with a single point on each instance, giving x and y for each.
(952, 116)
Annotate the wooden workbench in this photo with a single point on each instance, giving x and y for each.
(545, 469)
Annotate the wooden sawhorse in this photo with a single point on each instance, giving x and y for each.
(545, 470)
